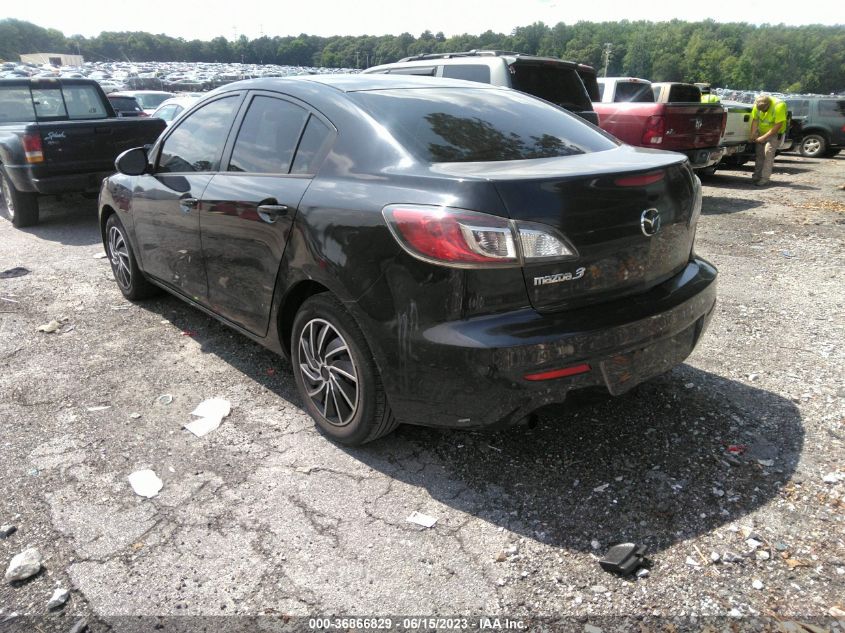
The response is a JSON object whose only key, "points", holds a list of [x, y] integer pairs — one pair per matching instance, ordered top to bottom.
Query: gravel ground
{"points": [[729, 470]]}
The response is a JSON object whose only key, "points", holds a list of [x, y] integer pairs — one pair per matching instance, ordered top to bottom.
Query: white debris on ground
{"points": [[211, 413], [145, 483], [421, 519]]}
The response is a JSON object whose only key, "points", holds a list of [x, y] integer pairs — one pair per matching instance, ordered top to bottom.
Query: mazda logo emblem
{"points": [[650, 222]]}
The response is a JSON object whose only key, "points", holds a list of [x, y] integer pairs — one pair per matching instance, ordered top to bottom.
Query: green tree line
{"points": [[739, 55]]}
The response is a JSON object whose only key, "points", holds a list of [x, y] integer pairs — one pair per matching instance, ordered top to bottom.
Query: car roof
{"points": [[36, 81], [356, 83]]}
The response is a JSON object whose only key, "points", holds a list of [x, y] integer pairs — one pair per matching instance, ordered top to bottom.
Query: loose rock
{"points": [[7, 530], [731, 557], [24, 565], [642, 572], [757, 584], [59, 598], [79, 627]]}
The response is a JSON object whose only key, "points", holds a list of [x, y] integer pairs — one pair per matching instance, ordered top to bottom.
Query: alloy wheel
{"points": [[812, 146], [119, 255], [328, 371]]}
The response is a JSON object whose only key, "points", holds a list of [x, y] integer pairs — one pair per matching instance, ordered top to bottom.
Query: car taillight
{"points": [[655, 126], [32, 147], [456, 237]]}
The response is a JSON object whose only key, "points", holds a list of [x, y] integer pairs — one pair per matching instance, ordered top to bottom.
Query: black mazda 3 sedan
{"points": [[425, 251]]}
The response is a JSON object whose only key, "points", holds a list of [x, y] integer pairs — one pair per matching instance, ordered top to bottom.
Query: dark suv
{"points": [[563, 83], [822, 123]]}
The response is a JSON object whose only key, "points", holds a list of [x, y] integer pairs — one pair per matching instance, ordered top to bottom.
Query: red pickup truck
{"points": [[628, 111]]}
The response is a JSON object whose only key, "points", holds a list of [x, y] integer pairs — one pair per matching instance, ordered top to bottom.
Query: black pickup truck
{"points": [[59, 136]]}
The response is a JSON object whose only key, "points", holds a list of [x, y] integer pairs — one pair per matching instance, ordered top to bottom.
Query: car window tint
{"points": [[424, 71], [468, 72], [553, 82], [633, 91], [601, 92], [682, 93], [16, 104], [125, 104], [830, 107], [799, 108], [464, 125], [268, 136], [197, 141], [312, 147]]}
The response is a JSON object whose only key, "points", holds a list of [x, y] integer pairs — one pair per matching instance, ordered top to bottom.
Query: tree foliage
{"points": [[768, 57]]}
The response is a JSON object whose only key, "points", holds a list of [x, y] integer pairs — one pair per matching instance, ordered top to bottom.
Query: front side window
{"points": [[799, 108], [167, 113], [467, 125], [268, 136], [197, 142]]}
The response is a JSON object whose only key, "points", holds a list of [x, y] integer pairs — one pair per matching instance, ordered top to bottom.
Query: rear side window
{"points": [[422, 71], [468, 72], [553, 82], [631, 91], [48, 103], [16, 104], [830, 107], [467, 125], [268, 136], [198, 140], [313, 146]]}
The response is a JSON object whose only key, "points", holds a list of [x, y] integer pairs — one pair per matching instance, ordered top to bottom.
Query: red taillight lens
{"points": [[655, 126], [32, 148], [640, 180], [452, 236], [559, 373]]}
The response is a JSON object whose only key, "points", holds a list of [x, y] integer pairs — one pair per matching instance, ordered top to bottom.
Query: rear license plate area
{"points": [[625, 371]]}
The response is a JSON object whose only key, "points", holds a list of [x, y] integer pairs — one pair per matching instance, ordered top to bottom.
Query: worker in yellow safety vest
{"points": [[706, 95], [768, 126]]}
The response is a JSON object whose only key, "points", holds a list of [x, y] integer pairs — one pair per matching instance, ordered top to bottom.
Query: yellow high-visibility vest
{"points": [[711, 98], [775, 114]]}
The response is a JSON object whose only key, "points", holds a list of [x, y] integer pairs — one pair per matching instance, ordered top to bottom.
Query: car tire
{"points": [[813, 146], [707, 172], [21, 208], [131, 281], [336, 374]]}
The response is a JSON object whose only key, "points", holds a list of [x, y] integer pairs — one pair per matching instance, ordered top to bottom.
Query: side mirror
{"points": [[132, 162]]}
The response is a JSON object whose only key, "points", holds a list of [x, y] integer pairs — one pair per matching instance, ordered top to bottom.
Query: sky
{"points": [[209, 18]]}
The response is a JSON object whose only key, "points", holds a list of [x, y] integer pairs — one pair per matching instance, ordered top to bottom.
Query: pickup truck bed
{"points": [[694, 129], [59, 136]]}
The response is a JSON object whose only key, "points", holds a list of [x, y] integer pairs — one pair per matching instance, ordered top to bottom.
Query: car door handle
{"points": [[186, 204], [270, 212]]}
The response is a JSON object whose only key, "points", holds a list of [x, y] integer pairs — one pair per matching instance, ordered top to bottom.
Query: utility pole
{"points": [[608, 49], [357, 65]]}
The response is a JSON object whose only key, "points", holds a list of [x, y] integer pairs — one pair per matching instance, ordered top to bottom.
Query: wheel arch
{"points": [[290, 304]]}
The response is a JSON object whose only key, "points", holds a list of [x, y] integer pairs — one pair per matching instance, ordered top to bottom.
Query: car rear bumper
{"points": [[703, 158], [28, 179], [471, 373]]}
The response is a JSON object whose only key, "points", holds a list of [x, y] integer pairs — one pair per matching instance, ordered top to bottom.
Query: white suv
{"points": [[554, 80]]}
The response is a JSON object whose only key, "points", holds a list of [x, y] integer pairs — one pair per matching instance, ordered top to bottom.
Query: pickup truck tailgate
{"points": [[693, 126], [83, 146]]}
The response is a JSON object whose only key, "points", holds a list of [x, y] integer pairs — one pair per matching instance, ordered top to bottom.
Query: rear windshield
{"points": [[553, 82], [631, 91], [684, 93], [152, 101], [23, 103], [124, 104], [461, 125]]}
